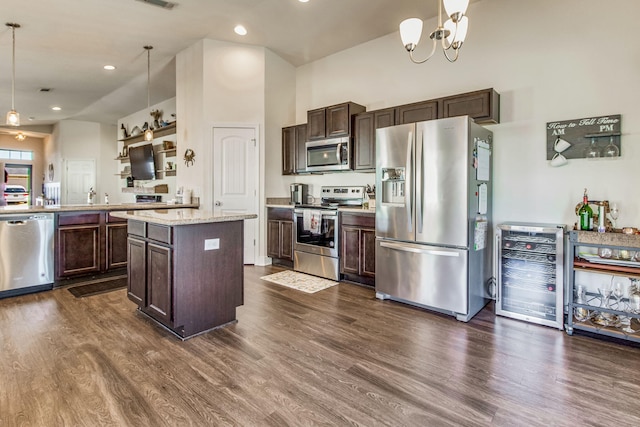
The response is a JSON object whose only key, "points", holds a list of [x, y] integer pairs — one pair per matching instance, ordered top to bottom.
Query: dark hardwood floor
{"points": [[337, 357]]}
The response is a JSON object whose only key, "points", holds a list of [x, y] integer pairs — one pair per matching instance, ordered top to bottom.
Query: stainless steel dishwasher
{"points": [[26, 253]]}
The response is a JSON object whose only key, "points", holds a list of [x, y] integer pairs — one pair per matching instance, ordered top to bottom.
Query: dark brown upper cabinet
{"points": [[482, 105], [417, 112], [332, 122], [365, 136], [294, 153]]}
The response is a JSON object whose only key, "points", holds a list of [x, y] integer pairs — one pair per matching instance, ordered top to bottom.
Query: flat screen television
{"points": [[143, 165]]}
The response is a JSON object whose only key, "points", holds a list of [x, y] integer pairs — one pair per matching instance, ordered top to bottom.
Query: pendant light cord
{"points": [[148, 48], [13, 68]]}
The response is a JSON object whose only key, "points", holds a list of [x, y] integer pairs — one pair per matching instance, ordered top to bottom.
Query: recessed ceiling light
{"points": [[303, 1], [240, 30], [109, 67], [56, 108]]}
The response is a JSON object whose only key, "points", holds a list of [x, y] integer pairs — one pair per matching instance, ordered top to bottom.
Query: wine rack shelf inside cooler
{"points": [[529, 258]]}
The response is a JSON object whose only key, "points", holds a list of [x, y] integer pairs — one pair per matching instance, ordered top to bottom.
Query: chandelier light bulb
{"points": [[456, 8], [410, 32]]}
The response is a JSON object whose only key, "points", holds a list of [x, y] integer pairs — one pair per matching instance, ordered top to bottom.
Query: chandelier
{"points": [[451, 34], [13, 117], [20, 136]]}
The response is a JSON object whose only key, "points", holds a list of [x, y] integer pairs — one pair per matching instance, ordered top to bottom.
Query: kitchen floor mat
{"points": [[299, 281], [96, 288]]}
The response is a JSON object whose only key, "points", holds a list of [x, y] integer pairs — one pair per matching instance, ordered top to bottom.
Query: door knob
{"points": [[218, 203]]}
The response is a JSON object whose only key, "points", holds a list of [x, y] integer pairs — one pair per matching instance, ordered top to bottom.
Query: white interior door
{"points": [[80, 176], [235, 186]]}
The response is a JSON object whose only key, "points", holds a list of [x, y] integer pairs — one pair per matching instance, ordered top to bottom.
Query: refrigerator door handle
{"points": [[408, 178], [419, 180], [403, 248], [496, 266]]}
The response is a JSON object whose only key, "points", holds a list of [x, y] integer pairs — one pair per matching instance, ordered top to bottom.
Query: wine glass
{"points": [[611, 150], [592, 151], [614, 212], [618, 292]]}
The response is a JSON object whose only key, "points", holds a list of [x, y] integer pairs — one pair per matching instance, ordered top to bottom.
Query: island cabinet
{"points": [[332, 122], [365, 136], [294, 153], [280, 236], [89, 242], [357, 249], [187, 277]]}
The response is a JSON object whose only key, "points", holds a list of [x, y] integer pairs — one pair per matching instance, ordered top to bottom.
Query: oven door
{"points": [[328, 155], [324, 243]]}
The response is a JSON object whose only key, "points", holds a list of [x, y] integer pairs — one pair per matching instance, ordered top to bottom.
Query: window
{"points": [[16, 155]]}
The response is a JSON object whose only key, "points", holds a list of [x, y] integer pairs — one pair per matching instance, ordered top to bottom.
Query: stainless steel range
{"points": [[316, 248]]}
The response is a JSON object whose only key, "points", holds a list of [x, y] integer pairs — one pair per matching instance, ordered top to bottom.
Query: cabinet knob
{"points": [[218, 203]]}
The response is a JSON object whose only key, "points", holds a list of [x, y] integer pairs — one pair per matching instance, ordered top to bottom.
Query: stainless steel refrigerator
{"points": [[433, 215]]}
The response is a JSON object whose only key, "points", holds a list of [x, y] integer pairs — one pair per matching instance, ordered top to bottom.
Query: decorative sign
{"points": [[573, 138]]}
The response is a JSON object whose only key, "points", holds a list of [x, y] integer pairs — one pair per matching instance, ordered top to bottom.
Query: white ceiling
{"points": [[63, 45]]}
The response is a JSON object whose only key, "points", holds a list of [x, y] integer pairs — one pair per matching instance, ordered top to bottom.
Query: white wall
{"points": [[549, 60]]}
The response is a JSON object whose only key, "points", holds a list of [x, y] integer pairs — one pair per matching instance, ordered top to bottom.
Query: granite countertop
{"points": [[18, 209], [370, 211], [180, 216]]}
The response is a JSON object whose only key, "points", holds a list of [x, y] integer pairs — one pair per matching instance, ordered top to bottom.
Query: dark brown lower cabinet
{"points": [[280, 236], [89, 243], [357, 248], [181, 284]]}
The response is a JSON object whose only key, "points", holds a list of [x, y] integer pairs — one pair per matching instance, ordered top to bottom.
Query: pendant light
{"points": [[13, 117], [148, 134]]}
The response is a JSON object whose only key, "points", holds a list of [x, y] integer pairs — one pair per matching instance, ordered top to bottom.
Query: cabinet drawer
{"points": [[282, 214], [79, 219], [112, 219], [366, 221], [137, 228], [160, 233]]}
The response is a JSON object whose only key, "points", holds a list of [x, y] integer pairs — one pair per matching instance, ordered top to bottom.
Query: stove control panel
{"points": [[351, 194]]}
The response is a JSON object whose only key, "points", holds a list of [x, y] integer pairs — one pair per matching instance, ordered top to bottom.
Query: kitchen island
{"points": [[185, 267]]}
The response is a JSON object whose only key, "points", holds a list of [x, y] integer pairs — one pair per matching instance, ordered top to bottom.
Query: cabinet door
{"points": [[483, 106], [418, 112], [384, 118], [316, 120], [338, 121], [365, 142], [301, 148], [288, 150], [273, 238], [286, 240], [116, 249], [78, 250], [368, 252], [350, 260], [136, 272], [159, 283]]}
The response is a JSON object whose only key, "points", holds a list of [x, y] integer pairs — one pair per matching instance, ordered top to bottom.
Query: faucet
{"points": [[90, 195]]}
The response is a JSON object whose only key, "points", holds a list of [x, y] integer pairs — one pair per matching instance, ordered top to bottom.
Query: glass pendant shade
{"points": [[453, 7], [410, 32], [457, 35], [13, 118], [148, 135]]}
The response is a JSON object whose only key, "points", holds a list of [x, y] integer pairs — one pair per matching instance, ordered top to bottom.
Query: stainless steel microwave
{"points": [[329, 155]]}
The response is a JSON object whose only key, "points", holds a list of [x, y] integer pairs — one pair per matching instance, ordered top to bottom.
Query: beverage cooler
{"points": [[529, 267]]}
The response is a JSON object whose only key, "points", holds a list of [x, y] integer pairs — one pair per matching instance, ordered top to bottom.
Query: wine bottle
{"points": [[585, 213]]}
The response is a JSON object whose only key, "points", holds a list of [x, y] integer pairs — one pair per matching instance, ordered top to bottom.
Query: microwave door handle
{"points": [[339, 153], [407, 180]]}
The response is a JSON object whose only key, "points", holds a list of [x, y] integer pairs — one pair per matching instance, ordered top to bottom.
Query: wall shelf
{"points": [[169, 129], [169, 153], [157, 189]]}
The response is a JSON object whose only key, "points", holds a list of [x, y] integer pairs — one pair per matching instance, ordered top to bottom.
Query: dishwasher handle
{"points": [[17, 222]]}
